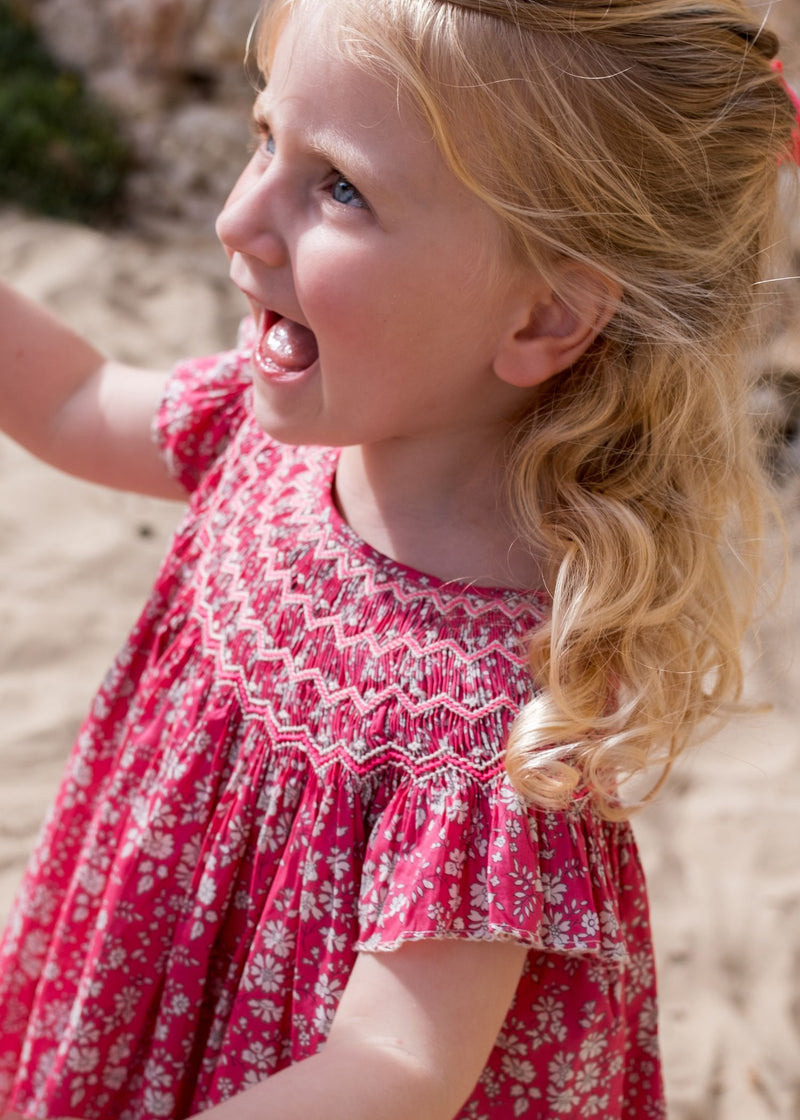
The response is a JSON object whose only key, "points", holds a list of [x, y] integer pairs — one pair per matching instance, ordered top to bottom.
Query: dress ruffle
{"points": [[454, 858]]}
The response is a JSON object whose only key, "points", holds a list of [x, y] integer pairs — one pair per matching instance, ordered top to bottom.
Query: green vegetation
{"points": [[61, 152]]}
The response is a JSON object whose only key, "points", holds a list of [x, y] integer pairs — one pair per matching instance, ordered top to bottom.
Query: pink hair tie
{"points": [[777, 66]]}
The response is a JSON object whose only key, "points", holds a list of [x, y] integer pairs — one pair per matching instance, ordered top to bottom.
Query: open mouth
{"points": [[284, 349]]}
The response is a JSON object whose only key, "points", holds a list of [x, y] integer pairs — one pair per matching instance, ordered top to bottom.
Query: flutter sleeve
{"points": [[204, 402], [458, 858]]}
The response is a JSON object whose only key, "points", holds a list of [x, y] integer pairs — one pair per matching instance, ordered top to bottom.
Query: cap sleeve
{"points": [[202, 406], [456, 858]]}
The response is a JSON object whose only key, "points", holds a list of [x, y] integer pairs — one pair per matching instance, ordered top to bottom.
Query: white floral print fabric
{"points": [[297, 756]]}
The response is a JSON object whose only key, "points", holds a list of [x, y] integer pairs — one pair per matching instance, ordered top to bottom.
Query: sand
{"points": [[721, 848]]}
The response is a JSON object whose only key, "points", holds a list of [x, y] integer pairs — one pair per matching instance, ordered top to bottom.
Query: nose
{"points": [[247, 223]]}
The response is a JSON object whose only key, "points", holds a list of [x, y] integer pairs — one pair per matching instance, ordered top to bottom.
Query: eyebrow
{"points": [[346, 158]]}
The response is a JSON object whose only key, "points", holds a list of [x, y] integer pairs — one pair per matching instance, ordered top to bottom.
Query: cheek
{"points": [[339, 287]]}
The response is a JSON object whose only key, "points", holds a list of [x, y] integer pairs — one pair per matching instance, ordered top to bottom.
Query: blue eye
{"points": [[263, 140], [345, 193]]}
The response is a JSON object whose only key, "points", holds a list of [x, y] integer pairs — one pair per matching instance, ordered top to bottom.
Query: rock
{"points": [[77, 33], [173, 71], [193, 161]]}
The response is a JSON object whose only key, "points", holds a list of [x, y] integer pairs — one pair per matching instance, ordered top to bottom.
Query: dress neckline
{"points": [[405, 574]]}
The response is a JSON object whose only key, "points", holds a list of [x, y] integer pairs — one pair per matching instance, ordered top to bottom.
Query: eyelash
{"points": [[263, 137]]}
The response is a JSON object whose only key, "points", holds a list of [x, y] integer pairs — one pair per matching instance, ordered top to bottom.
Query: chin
{"points": [[290, 430]]}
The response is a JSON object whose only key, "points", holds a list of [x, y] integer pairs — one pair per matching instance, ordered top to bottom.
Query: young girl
{"points": [[472, 537]]}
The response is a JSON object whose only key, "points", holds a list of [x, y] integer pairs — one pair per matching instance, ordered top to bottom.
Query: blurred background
{"points": [[123, 125]]}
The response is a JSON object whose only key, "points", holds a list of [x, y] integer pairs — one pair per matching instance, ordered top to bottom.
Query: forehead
{"points": [[317, 89]]}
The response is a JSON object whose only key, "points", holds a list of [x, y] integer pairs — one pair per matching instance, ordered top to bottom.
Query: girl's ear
{"points": [[550, 331]]}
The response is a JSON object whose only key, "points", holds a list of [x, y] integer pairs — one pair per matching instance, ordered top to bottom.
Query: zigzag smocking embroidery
{"points": [[330, 647], [228, 649], [419, 758], [417, 762]]}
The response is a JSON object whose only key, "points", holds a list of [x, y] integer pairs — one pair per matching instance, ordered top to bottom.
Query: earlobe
{"points": [[552, 331]]}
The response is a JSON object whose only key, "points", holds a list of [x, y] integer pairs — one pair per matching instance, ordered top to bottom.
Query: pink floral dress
{"points": [[298, 756]]}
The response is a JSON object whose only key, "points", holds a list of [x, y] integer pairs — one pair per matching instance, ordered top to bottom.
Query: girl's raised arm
{"points": [[65, 402]]}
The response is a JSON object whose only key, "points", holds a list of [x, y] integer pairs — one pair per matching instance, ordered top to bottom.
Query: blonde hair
{"points": [[634, 143]]}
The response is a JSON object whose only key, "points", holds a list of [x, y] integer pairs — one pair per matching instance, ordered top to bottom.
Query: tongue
{"points": [[289, 346]]}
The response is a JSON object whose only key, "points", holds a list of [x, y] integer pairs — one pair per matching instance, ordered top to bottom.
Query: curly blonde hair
{"points": [[638, 142]]}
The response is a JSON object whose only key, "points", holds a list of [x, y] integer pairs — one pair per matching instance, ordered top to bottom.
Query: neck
{"points": [[436, 507]]}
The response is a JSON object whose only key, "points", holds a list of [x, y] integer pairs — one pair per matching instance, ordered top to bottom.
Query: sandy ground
{"points": [[721, 847]]}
